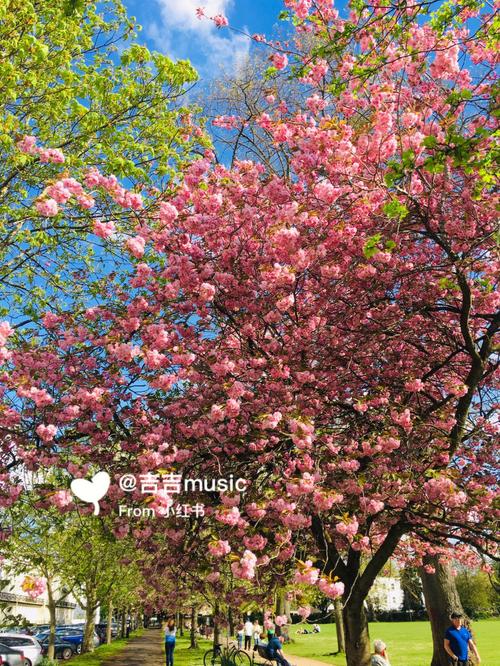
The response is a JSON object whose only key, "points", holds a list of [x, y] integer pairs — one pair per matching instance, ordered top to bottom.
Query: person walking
{"points": [[257, 630], [170, 633], [240, 633], [248, 633], [457, 641], [380, 657]]}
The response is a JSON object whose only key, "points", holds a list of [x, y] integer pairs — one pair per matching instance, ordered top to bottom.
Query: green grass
{"points": [[408, 643], [103, 652]]}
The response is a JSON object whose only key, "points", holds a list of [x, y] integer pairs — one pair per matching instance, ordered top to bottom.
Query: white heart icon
{"points": [[92, 491]]}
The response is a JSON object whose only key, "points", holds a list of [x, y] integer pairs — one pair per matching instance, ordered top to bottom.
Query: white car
{"points": [[26, 644], [11, 657]]}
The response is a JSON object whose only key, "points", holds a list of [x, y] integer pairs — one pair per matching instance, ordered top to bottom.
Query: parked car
{"points": [[102, 627], [72, 636], [26, 644], [62, 649], [11, 657]]}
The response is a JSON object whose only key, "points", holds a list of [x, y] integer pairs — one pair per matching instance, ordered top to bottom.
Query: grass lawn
{"points": [[408, 643], [103, 652]]}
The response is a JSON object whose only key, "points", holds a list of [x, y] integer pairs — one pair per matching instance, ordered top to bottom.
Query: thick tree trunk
{"points": [[441, 599], [280, 602], [110, 617], [53, 620], [230, 620], [123, 624], [216, 624], [339, 625], [88, 632], [357, 638], [193, 645]]}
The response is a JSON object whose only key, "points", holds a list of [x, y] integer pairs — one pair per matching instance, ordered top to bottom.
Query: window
{"points": [[14, 640]]}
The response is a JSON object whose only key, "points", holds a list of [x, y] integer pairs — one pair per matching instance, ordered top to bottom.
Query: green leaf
{"points": [[430, 141], [395, 209], [370, 247]]}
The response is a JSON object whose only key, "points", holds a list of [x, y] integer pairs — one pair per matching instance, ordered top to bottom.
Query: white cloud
{"points": [[181, 34]]}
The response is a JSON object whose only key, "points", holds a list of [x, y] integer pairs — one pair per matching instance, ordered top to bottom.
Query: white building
{"points": [[386, 594], [15, 601]]}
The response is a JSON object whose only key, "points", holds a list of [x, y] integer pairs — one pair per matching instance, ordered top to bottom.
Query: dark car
{"points": [[101, 629], [72, 636], [74, 640], [62, 649]]}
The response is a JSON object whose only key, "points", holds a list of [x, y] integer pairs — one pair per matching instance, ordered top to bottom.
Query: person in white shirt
{"points": [[257, 630], [248, 633], [380, 658]]}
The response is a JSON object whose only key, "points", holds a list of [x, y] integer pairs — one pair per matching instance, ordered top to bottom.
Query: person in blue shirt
{"points": [[170, 633], [457, 641], [275, 649]]}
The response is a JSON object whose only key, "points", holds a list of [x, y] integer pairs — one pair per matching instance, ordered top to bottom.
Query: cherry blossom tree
{"points": [[328, 336]]}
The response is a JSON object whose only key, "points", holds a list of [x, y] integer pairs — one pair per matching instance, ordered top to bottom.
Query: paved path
{"points": [[145, 650], [304, 661]]}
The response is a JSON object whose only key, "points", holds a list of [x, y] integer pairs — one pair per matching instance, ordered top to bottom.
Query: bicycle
{"points": [[226, 656]]}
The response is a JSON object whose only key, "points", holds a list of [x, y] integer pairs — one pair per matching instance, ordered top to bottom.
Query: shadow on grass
{"points": [[105, 652]]}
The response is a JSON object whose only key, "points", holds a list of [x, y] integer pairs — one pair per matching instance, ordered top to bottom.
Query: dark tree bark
{"points": [[357, 582], [441, 599], [280, 602], [230, 620], [180, 624], [216, 624], [123, 627], [357, 638], [193, 644]]}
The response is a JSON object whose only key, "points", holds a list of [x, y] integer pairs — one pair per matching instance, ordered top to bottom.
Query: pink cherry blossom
{"points": [[220, 20], [280, 60], [47, 207], [136, 246], [46, 432], [219, 548], [331, 589]]}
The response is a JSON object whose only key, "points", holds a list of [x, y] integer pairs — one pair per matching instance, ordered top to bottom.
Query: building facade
{"points": [[386, 594], [15, 602]]}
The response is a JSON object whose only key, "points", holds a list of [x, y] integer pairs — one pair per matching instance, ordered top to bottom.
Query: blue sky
{"points": [[171, 26]]}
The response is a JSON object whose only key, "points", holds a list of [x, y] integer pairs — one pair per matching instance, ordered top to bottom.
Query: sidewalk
{"points": [[144, 650], [147, 650], [304, 661]]}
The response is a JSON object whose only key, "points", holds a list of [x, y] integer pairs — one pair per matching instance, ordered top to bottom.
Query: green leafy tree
{"points": [[72, 76], [39, 546], [105, 569], [412, 589], [477, 595]]}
